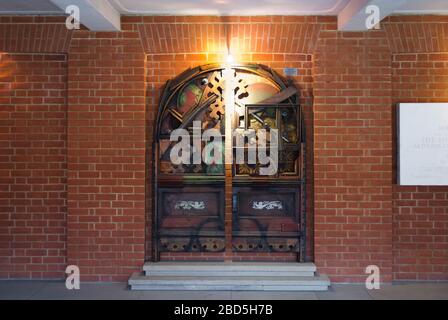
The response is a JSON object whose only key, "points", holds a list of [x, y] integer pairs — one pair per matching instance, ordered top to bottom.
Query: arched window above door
{"points": [[198, 95]]}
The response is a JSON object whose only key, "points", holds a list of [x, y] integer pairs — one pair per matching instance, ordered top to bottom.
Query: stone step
{"points": [[231, 269], [139, 281]]}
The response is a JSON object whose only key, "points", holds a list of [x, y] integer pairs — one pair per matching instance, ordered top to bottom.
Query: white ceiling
{"points": [[28, 7], [222, 7], [231, 7], [424, 7]]}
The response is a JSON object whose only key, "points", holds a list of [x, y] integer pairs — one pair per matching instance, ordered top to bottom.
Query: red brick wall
{"points": [[37, 34], [268, 34], [417, 34], [419, 74], [349, 82], [106, 154], [352, 155], [33, 171], [420, 213]]}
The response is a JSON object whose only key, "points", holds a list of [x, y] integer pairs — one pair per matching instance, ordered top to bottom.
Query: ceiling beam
{"points": [[97, 15], [353, 17]]}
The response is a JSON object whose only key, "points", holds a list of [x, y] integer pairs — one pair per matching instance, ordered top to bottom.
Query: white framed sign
{"points": [[423, 144]]}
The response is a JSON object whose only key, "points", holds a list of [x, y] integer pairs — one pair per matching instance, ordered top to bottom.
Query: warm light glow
{"points": [[230, 59], [7, 70], [229, 99]]}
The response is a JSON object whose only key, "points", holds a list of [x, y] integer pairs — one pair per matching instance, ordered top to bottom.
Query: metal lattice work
{"points": [[268, 212]]}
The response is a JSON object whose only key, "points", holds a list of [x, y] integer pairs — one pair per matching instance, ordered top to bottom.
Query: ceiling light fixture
{"points": [[229, 59]]}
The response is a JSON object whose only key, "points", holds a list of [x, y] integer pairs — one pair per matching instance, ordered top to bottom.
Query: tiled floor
{"points": [[118, 291]]}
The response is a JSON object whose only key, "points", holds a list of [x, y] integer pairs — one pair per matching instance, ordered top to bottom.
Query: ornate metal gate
{"points": [[268, 212]]}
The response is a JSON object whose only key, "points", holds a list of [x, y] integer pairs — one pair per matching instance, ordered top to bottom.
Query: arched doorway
{"points": [[204, 207]]}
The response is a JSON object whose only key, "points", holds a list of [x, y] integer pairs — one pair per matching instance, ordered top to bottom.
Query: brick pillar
{"points": [[106, 154], [352, 155], [33, 165], [228, 208]]}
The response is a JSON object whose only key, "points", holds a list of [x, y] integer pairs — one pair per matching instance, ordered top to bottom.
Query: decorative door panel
{"points": [[259, 202], [190, 219], [267, 219]]}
